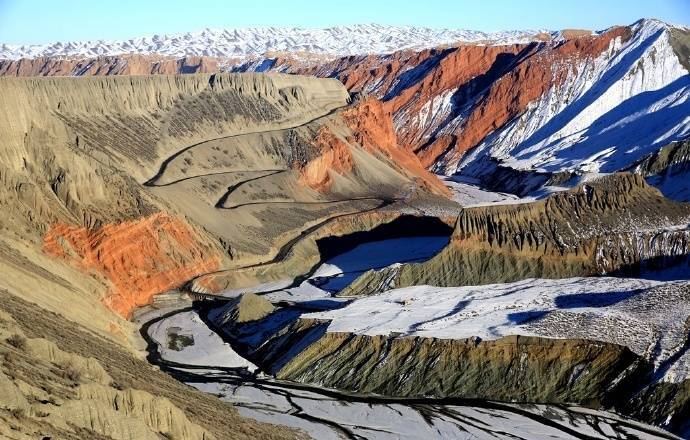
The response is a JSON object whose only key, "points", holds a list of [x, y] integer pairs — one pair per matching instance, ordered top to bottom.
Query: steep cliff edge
{"points": [[615, 223]]}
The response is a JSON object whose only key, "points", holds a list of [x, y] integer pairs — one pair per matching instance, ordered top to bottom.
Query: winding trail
{"points": [[215, 173], [153, 181], [232, 188], [296, 202], [287, 247]]}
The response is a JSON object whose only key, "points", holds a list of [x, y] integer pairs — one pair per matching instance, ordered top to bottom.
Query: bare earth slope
{"points": [[116, 189]]}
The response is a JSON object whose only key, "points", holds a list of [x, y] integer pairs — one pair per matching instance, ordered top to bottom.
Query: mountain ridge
{"points": [[242, 42]]}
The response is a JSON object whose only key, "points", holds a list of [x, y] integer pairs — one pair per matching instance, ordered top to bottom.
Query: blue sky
{"points": [[46, 21]]}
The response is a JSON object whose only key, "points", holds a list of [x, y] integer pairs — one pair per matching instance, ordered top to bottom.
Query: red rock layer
{"points": [[509, 95], [371, 123], [334, 156], [139, 258]]}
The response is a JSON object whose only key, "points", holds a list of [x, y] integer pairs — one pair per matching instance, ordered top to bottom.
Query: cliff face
{"points": [[370, 126], [614, 223], [139, 258], [514, 368]]}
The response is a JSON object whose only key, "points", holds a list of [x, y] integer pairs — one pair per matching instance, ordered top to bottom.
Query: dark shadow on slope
{"points": [[614, 74], [410, 77], [471, 92], [643, 130], [673, 182], [403, 226], [663, 268], [594, 299], [457, 308], [518, 318]]}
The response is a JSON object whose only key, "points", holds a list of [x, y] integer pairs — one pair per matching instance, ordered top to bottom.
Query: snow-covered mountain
{"points": [[340, 40], [585, 103], [609, 111]]}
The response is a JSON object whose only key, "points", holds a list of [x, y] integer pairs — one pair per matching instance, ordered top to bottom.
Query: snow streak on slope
{"points": [[341, 40], [608, 114], [614, 310]]}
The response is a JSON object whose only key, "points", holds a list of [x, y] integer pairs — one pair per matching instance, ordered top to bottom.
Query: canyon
{"points": [[410, 232]]}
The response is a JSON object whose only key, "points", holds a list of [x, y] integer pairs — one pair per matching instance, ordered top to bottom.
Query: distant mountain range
{"points": [[340, 40]]}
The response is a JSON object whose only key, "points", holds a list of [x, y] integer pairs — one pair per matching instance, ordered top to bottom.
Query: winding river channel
{"points": [[182, 341]]}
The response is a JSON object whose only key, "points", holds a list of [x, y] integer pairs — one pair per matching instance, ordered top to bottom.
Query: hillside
{"points": [[117, 189]]}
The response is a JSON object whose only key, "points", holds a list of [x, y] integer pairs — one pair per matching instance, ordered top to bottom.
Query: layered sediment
{"points": [[615, 223]]}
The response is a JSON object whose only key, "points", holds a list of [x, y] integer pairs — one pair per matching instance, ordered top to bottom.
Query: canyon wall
{"points": [[612, 224]]}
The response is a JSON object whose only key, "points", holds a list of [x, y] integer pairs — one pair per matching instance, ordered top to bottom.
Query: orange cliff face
{"points": [[510, 95], [371, 125], [334, 156], [139, 258]]}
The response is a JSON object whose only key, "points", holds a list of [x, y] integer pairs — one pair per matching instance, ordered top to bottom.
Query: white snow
{"points": [[336, 41], [609, 113], [470, 194], [339, 271], [608, 309], [208, 349], [398, 421]]}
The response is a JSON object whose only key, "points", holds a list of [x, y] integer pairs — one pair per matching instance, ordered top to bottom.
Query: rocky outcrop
{"points": [[369, 125], [332, 157], [669, 160], [667, 169], [612, 224], [139, 258], [245, 308], [514, 368], [664, 404]]}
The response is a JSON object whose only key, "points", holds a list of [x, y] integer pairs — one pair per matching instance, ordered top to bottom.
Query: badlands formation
{"points": [[486, 237]]}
